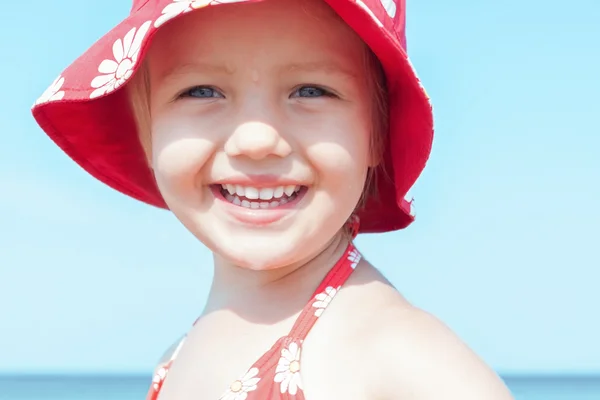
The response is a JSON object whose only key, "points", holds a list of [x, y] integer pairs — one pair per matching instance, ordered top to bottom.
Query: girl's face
{"points": [[260, 125]]}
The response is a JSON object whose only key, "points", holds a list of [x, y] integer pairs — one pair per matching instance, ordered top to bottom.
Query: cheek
{"points": [[179, 153], [341, 158]]}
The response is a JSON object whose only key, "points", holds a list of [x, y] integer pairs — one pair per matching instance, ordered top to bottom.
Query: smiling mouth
{"points": [[260, 198]]}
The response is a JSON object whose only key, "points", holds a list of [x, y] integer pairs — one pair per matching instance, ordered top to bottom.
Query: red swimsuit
{"points": [[276, 375]]}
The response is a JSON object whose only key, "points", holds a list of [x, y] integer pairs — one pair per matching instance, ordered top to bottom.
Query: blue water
{"points": [[125, 387]]}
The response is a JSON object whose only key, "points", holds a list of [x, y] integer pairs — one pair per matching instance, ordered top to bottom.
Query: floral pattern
{"points": [[225, 1], [178, 7], [390, 7], [366, 8], [117, 71], [53, 92], [354, 257], [323, 299], [287, 373], [278, 376], [158, 377], [239, 389]]}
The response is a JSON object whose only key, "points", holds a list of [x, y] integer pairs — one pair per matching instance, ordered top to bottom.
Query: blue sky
{"points": [[504, 248]]}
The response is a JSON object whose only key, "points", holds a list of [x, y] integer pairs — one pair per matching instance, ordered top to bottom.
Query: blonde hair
{"points": [[138, 89]]}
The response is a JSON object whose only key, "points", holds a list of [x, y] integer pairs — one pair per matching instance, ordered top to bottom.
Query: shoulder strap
{"points": [[325, 293], [162, 369]]}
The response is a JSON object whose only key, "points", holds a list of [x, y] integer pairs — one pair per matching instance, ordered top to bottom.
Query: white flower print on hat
{"points": [[178, 7], [365, 7], [390, 7], [117, 71], [53, 92]]}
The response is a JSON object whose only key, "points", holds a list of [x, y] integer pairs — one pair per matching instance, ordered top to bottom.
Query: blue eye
{"points": [[311, 91], [202, 92]]}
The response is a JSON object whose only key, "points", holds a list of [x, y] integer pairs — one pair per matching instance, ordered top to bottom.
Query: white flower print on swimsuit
{"points": [[117, 71], [53, 92], [354, 257], [323, 299], [288, 369], [276, 374], [158, 377], [239, 389]]}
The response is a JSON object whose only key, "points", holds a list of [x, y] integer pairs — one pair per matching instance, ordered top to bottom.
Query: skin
{"points": [[254, 117], [257, 122]]}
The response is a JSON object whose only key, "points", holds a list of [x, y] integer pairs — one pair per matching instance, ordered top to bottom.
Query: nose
{"points": [[257, 140]]}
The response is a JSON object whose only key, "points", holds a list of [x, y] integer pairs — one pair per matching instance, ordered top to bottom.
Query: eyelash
{"points": [[187, 92], [324, 92]]}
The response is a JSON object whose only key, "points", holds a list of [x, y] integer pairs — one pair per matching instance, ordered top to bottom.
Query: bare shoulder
{"points": [[170, 353], [419, 358]]}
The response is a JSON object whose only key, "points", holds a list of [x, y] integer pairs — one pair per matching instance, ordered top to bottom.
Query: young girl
{"points": [[275, 131]]}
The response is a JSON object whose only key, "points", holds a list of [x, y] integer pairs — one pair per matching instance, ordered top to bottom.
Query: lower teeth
{"points": [[258, 204]]}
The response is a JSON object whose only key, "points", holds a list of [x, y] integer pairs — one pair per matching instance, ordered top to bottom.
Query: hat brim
{"points": [[87, 114]]}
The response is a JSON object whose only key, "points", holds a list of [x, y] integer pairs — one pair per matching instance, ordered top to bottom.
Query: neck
{"points": [[276, 292]]}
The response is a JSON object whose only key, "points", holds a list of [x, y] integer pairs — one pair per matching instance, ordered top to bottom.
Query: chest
{"points": [[238, 359], [318, 368]]}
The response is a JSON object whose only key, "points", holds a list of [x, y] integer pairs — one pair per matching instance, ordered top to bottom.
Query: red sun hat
{"points": [[87, 114]]}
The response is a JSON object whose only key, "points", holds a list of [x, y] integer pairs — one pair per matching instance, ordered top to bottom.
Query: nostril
{"points": [[257, 140]]}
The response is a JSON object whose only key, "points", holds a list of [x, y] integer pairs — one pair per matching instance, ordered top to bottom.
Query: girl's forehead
{"points": [[288, 29]]}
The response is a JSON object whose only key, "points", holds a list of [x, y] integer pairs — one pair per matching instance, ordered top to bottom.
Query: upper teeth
{"points": [[253, 193]]}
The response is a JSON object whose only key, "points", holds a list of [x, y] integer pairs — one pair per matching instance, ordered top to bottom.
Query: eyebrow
{"points": [[313, 66], [320, 66], [196, 67]]}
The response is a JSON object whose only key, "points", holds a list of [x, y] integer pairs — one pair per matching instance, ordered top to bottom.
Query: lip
{"points": [[259, 181], [257, 216]]}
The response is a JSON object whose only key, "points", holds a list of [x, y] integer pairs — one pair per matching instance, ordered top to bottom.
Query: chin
{"points": [[261, 248], [259, 253]]}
